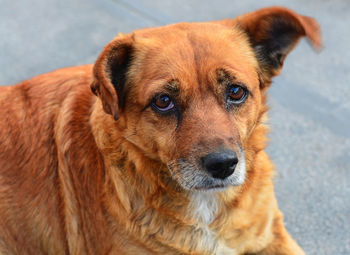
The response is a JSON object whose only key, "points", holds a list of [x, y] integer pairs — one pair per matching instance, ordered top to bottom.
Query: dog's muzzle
{"points": [[215, 171]]}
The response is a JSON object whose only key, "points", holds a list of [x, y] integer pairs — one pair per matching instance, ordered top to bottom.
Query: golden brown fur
{"points": [[81, 174]]}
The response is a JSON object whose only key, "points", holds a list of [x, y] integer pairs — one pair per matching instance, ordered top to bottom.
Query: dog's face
{"points": [[190, 95], [192, 100]]}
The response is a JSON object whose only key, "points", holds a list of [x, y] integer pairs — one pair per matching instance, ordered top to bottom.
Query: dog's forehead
{"points": [[192, 41], [191, 53]]}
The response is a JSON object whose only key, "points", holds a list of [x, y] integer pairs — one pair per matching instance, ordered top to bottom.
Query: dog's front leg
{"points": [[282, 242]]}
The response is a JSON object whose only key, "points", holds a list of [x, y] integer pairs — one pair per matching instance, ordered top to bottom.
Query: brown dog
{"points": [[167, 159]]}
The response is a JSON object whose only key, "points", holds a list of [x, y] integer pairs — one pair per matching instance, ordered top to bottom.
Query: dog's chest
{"points": [[204, 207], [189, 236], [209, 243]]}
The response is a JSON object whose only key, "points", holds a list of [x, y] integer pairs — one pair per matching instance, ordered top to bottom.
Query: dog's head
{"points": [[191, 95]]}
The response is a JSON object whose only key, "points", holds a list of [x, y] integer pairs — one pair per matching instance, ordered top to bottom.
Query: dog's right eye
{"points": [[163, 103]]}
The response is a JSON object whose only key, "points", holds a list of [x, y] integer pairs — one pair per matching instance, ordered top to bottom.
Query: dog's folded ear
{"points": [[274, 32], [110, 74]]}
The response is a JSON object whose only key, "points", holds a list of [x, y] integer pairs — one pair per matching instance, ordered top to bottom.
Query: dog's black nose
{"points": [[220, 164]]}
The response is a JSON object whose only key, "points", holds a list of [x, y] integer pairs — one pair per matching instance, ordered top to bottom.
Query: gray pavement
{"points": [[310, 101]]}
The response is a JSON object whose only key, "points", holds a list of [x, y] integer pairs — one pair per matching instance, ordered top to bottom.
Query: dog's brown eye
{"points": [[236, 94], [163, 103]]}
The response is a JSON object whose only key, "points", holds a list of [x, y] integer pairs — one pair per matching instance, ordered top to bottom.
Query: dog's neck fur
{"points": [[154, 204]]}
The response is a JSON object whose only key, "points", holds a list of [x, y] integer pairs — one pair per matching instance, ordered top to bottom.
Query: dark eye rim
{"points": [[241, 100], [159, 110]]}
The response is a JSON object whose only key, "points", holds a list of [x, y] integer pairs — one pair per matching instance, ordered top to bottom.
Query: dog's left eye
{"points": [[236, 94], [163, 103]]}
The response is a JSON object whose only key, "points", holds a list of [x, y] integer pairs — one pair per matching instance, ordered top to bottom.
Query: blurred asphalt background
{"points": [[310, 101]]}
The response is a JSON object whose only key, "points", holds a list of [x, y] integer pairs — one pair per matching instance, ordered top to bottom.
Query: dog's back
{"points": [[36, 120]]}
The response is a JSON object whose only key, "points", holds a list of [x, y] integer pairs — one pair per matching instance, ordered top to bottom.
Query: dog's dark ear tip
{"points": [[95, 87], [94, 90], [116, 116]]}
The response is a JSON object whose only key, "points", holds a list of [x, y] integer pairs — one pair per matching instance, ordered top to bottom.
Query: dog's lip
{"points": [[211, 187]]}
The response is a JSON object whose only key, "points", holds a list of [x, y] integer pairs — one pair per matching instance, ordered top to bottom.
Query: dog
{"points": [[157, 148]]}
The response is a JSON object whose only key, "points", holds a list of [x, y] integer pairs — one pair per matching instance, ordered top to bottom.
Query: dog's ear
{"points": [[274, 32], [110, 74]]}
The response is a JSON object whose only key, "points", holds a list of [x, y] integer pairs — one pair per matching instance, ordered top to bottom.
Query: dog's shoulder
{"points": [[32, 109]]}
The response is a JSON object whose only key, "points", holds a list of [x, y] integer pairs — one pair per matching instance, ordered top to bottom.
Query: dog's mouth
{"points": [[191, 175], [218, 187]]}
